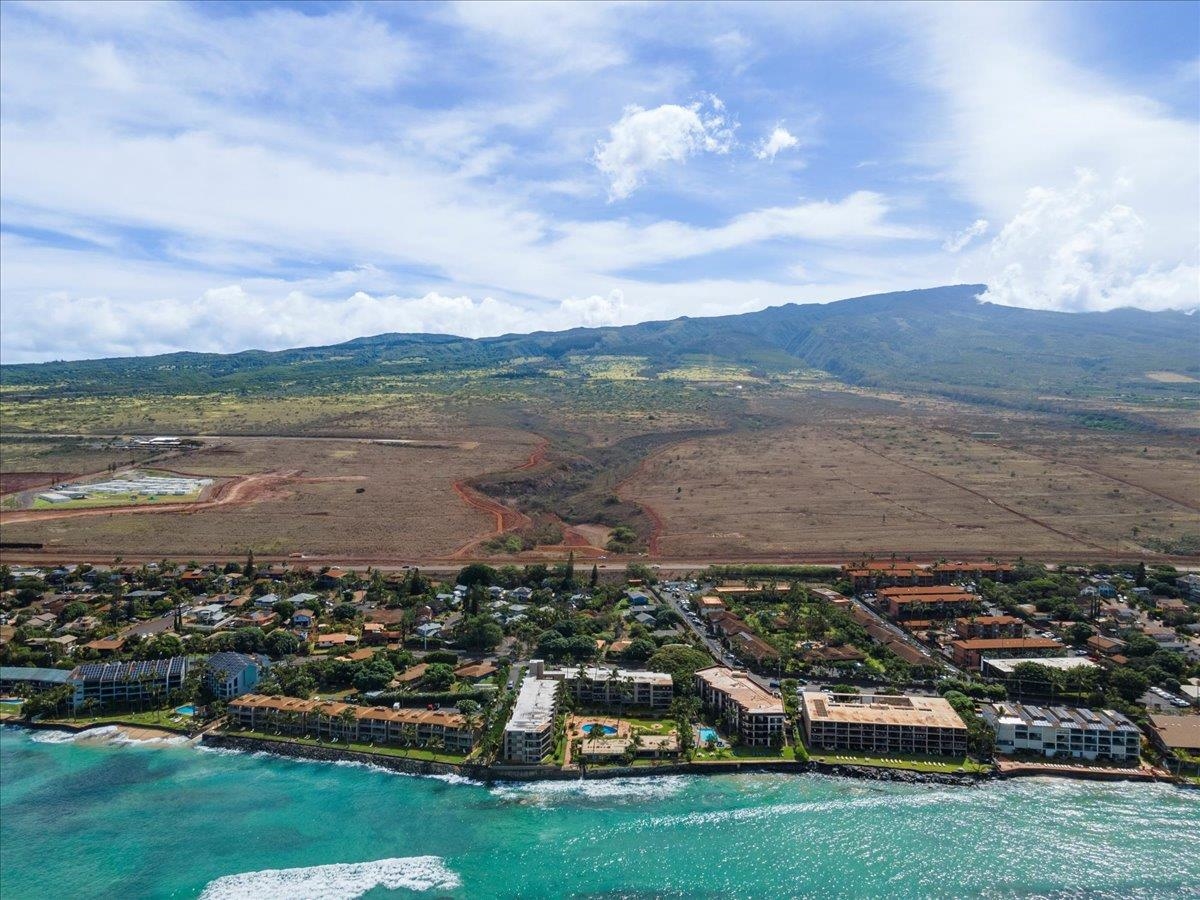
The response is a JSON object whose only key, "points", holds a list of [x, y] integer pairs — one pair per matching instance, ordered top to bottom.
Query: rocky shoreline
{"points": [[485, 773], [492, 773]]}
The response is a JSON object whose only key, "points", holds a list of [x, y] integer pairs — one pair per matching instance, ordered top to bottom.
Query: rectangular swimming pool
{"points": [[708, 734]]}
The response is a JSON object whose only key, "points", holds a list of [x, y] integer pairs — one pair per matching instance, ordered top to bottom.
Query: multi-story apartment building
{"points": [[928, 602], [989, 627], [970, 653], [127, 683], [602, 686], [747, 710], [880, 723], [361, 724], [1061, 731], [529, 734]]}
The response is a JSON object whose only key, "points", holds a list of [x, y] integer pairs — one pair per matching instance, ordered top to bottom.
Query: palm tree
{"points": [[346, 717]]}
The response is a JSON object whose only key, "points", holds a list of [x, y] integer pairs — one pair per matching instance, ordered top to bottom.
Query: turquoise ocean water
{"points": [[95, 819]]}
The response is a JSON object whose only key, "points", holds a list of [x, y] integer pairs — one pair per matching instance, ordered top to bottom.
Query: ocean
{"points": [[106, 818]]}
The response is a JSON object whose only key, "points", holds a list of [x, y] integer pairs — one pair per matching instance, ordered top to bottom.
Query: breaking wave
{"points": [[71, 737], [550, 792], [338, 881]]}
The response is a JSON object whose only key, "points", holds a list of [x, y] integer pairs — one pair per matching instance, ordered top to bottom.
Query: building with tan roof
{"points": [[747, 710], [881, 723], [361, 724]]}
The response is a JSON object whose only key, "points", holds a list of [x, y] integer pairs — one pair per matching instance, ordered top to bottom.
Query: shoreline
{"points": [[488, 774]]}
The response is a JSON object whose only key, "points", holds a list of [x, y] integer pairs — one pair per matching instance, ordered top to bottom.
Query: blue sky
{"points": [[221, 176]]}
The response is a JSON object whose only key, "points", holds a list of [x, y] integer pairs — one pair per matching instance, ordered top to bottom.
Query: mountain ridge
{"points": [[935, 339]]}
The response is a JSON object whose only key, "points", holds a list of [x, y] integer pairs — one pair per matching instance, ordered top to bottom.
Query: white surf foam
{"points": [[69, 737], [548, 792], [340, 881]]}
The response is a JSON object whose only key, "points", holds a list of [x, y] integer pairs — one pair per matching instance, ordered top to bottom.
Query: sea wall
{"points": [[294, 750], [546, 773]]}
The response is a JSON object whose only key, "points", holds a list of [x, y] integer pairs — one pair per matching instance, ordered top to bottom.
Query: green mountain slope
{"points": [[940, 340]]}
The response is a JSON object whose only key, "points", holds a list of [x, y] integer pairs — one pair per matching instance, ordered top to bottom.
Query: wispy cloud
{"points": [[468, 167]]}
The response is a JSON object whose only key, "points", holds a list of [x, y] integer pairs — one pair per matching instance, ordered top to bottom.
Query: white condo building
{"points": [[1060, 731]]}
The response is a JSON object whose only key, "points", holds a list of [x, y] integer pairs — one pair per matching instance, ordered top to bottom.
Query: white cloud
{"points": [[1019, 120], [645, 139], [776, 142], [956, 242], [1083, 248]]}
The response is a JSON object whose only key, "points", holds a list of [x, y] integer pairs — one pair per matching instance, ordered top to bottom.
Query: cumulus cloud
{"points": [[645, 139], [776, 142], [956, 242], [1083, 248], [271, 317]]}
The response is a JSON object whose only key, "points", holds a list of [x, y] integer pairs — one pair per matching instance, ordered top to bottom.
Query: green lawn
{"points": [[10, 709], [155, 718], [402, 752], [733, 753], [900, 761]]}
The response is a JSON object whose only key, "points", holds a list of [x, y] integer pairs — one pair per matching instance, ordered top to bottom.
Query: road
{"points": [[903, 636], [710, 643]]}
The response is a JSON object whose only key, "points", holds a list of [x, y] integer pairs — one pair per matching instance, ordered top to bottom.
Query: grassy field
{"points": [[154, 718]]}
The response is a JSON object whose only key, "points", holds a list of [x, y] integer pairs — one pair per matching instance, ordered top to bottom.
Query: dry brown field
{"points": [[897, 484], [302, 495]]}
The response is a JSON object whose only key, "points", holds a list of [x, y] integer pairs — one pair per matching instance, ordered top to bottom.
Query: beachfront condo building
{"points": [[120, 684], [754, 714], [329, 720], [881, 724], [1063, 731], [529, 734]]}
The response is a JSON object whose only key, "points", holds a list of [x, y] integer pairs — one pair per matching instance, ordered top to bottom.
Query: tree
{"points": [[248, 570], [477, 574], [595, 579], [568, 581], [285, 609], [345, 612], [479, 633], [1077, 633], [279, 644], [165, 645], [639, 649], [681, 662], [375, 675], [438, 677], [1129, 683]]}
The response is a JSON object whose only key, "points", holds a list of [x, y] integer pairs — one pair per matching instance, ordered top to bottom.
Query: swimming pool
{"points": [[188, 710], [606, 730], [708, 734]]}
